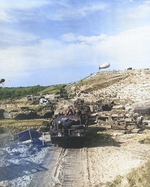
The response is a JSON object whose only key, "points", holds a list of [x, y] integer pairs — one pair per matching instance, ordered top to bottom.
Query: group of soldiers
{"points": [[80, 109]]}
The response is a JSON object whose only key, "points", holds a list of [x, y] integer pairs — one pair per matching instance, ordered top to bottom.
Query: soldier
{"points": [[71, 110], [86, 120], [139, 121]]}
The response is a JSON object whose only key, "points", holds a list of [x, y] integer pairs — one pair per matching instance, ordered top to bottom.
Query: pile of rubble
{"points": [[134, 88], [124, 104], [108, 114], [121, 119]]}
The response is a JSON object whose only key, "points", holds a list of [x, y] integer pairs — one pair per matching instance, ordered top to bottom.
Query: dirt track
{"points": [[89, 167], [69, 168]]}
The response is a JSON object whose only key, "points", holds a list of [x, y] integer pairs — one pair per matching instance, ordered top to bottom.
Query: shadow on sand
{"points": [[95, 137], [98, 137]]}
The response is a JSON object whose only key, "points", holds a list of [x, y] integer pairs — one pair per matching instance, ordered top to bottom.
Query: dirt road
{"points": [[89, 167], [69, 169]]}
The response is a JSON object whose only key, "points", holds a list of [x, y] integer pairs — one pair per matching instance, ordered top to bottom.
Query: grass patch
{"points": [[100, 81], [54, 89], [39, 108], [1, 113], [20, 125], [145, 137], [139, 177], [116, 182]]}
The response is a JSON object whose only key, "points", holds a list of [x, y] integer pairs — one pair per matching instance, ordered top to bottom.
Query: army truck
{"points": [[67, 128]]}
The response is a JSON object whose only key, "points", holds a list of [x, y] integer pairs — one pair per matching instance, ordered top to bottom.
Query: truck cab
{"points": [[66, 128]]}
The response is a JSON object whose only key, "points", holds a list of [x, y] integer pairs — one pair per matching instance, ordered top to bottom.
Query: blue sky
{"points": [[47, 42]]}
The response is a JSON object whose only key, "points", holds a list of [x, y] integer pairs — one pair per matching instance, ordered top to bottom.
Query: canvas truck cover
{"points": [[142, 110]]}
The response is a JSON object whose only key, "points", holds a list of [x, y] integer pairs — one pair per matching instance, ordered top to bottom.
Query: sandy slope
{"points": [[105, 163]]}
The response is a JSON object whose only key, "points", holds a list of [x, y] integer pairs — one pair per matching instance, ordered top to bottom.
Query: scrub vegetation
{"points": [[99, 81], [54, 89], [14, 92], [6, 93], [15, 126], [139, 177]]}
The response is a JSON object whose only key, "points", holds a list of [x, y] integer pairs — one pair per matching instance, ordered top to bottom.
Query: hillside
{"points": [[128, 85], [109, 153]]}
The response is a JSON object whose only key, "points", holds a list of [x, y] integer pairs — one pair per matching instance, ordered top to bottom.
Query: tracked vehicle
{"points": [[67, 128]]}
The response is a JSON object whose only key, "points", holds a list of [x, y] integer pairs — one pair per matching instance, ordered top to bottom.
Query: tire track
{"points": [[65, 168], [71, 169]]}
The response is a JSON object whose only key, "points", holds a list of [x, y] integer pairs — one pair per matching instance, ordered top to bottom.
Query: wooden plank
{"points": [[135, 130]]}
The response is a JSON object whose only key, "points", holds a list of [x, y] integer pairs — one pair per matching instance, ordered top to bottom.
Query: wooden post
{"points": [[30, 134], [43, 139]]}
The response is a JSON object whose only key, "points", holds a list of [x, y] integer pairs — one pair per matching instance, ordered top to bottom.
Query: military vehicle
{"points": [[67, 128]]}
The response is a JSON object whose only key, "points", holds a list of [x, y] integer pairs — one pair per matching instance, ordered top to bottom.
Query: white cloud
{"points": [[23, 4], [90, 9], [9, 10], [12, 11], [142, 11], [68, 12], [4, 16], [134, 16], [10, 37], [70, 37], [129, 48]]}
